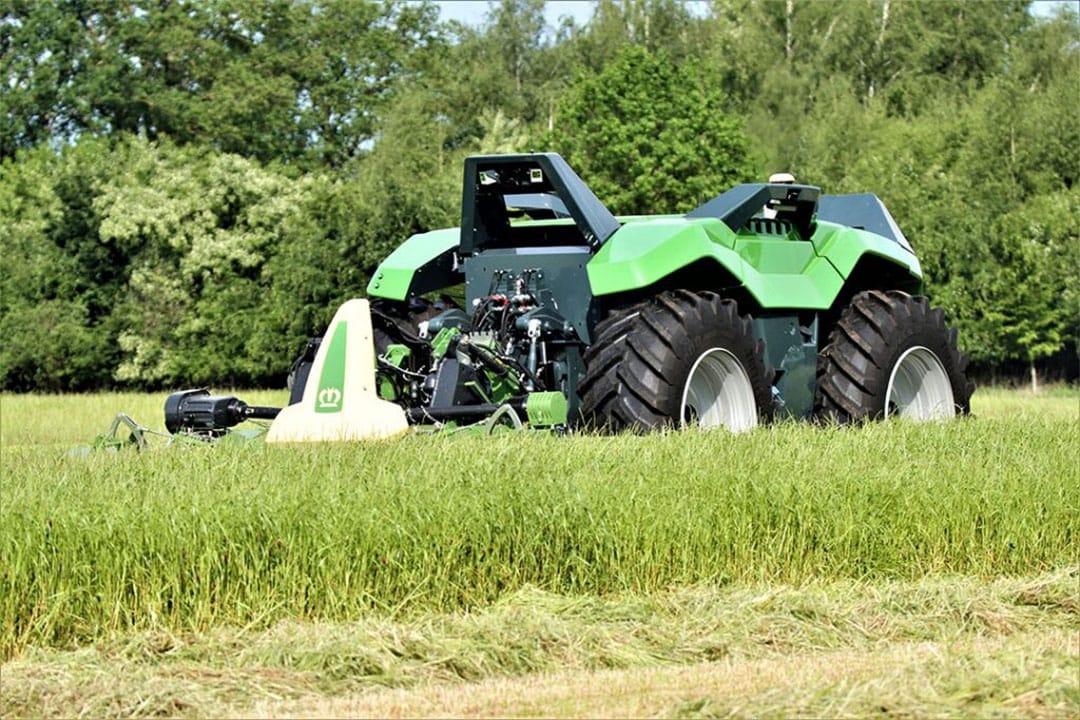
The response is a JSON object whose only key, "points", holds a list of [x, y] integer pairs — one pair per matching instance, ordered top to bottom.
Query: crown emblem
{"points": [[329, 398]]}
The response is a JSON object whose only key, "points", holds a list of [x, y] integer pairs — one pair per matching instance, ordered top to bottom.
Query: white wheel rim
{"points": [[919, 387], [718, 393]]}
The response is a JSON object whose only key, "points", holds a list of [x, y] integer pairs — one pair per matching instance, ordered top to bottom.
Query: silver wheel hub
{"points": [[919, 387], [718, 393]]}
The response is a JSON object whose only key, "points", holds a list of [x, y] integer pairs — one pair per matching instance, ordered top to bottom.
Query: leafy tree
{"points": [[656, 25], [40, 47], [510, 66], [492, 68], [273, 79], [499, 134], [649, 137], [408, 183], [204, 226], [60, 283], [1019, 297], [46, 339], [51, 347]]}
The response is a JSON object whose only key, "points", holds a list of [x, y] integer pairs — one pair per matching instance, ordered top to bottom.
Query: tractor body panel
{"points": [[845, 246], [769, 257], [424, 263], [775, 266]]}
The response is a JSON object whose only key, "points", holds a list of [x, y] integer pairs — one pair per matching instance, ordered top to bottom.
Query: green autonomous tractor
{"points": [[544, 309]]}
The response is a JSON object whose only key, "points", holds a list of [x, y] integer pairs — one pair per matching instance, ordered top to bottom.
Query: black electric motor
{"points": [[199, 412]]}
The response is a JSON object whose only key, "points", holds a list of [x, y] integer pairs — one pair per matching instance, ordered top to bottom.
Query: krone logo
{"points": [[329, 398]]}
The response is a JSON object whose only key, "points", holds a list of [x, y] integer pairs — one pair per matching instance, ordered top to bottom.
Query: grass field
{"points": [[292, 581]]}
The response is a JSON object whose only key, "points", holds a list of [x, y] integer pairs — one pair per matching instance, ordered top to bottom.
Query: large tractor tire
{"points": [[891, 355], [679, 359]]}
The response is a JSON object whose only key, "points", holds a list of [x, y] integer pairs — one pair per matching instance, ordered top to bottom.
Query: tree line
{"points": [[188, 189]]}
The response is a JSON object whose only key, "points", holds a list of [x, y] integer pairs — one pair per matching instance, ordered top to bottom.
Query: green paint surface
{"points": [[780, 271], [395, 275], [331, 394]]}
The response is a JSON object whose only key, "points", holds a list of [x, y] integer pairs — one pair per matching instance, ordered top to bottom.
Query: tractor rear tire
{"points": [[891, 354], [679, 359]]}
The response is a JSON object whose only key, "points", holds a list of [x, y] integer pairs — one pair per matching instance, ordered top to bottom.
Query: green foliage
{"points": [[665, 26], [509, 67], [274, 80], [649, 138], [204, 225], [182, 265], [57, 267], [1019, 297], [52, 346]]}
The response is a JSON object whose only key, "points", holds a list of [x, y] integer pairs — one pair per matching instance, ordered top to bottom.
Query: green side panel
{"points": [[844, 246], [642, 252], [403, 270], [778, 270], [786, 273], [441, 342], [395, 354], [332, 380], [502, 388]]}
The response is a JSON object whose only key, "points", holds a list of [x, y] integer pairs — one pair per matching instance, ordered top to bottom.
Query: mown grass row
{"points": [[193, 537], [941, 647]]}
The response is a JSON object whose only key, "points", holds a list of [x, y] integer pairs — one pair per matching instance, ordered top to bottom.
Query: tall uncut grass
{"points": [[191, 537]]}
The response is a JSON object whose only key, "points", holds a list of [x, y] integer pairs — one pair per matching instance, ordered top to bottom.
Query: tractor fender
{"points": [[848, 247], [643, 254], [424, 263], [778, 272]]}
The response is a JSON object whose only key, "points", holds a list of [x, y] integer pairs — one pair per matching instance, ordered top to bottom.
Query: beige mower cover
{"points": [[340, 401]]}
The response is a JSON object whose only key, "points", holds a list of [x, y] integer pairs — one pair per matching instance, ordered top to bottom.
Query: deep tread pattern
{"points": [[873, 332], [641, 356]]}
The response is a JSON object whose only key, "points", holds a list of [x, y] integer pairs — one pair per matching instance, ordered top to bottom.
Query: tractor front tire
{"points": [[891, 354], [679, 359]]}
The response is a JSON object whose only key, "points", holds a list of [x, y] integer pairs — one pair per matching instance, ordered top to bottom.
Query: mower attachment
{"points": [[340, 401]]}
